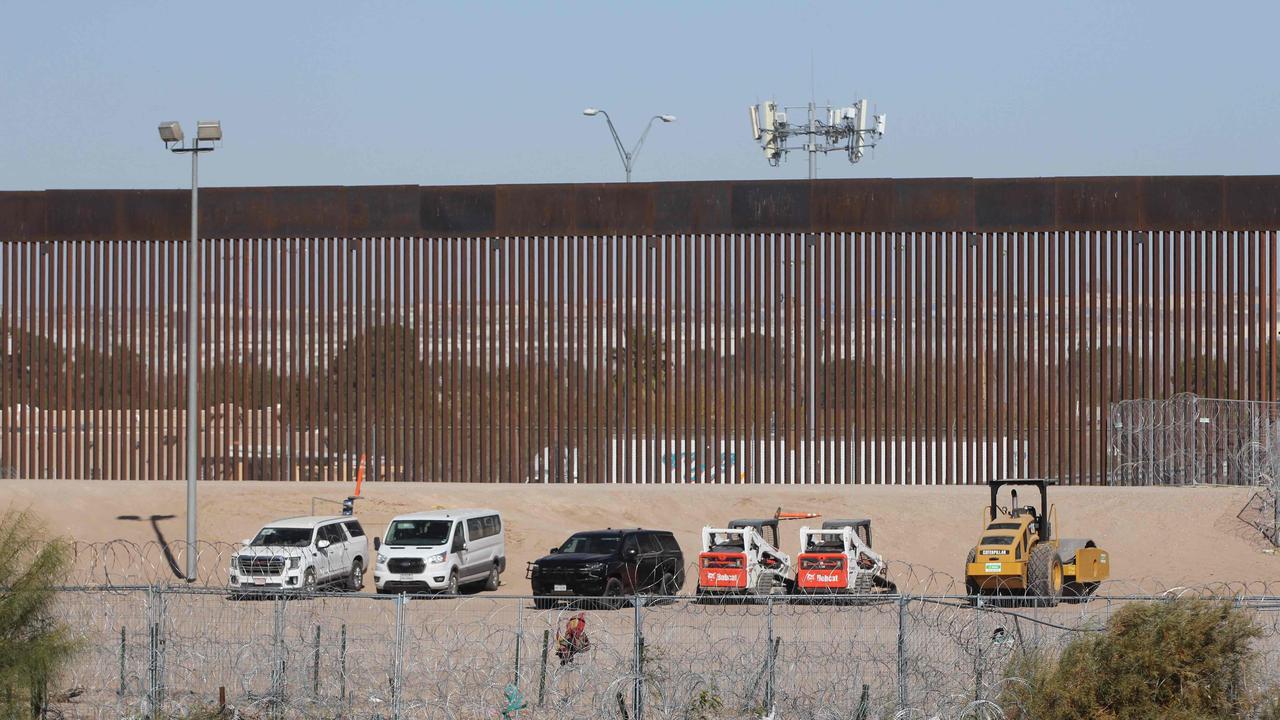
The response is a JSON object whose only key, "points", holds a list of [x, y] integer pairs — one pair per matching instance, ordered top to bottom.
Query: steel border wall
{"points": [[951, 330]]}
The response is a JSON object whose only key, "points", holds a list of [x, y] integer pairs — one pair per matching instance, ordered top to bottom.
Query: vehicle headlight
{"points": [[438, 557], [382, 559], [235, 562], [295, 563], [594, 567]]}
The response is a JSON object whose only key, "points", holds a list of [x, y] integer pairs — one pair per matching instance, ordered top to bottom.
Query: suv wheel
{"points": [[309, 580], [356, 582], [491, 582], [668, 586], [613, 594]]}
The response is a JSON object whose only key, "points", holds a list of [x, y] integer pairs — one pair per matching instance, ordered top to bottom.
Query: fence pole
{"points": [[978, 643], [902, 653], [278, 661], [769, 661], [397, 663], [315, 664], [342, 664], [542, 676], [515, 680], [123, 687], [637, 689]]}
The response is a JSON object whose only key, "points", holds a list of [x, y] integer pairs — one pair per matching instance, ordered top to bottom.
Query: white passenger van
{"points": [[441, 550]]}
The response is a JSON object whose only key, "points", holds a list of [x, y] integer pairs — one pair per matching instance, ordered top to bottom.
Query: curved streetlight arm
{"points": [[636, 150], [622, 151]]}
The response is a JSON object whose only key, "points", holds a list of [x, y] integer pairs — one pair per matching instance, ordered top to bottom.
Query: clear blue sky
{"points": [[456, 93]]}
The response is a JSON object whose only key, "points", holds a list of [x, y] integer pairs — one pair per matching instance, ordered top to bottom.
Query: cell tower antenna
{"points": [[844, 129]]}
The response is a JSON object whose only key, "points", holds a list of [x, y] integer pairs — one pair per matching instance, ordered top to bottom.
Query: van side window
{"points": [[492, 525], [475, 529], [457, 538]]}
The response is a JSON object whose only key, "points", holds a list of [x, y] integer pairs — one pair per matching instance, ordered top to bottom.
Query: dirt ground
{"points": [[1157, 537]]}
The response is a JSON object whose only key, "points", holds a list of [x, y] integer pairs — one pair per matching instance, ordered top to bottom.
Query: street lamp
{"points": [[207, 131], [628, 158]]}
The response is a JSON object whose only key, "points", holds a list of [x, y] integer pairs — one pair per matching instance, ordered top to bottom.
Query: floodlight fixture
{"points": [[590, 112], [667, 118], [210, 130], [171, 131]]}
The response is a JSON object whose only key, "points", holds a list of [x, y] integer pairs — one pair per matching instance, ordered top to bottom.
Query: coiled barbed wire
{"points": [[172, 651]]}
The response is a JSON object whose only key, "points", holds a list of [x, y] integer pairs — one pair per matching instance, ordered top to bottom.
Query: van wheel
{"points": [[309, 580], [356, 582], [491, 582], [452, 587]]}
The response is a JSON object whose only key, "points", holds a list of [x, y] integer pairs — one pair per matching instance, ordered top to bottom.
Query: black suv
{"points": [[609, 564]]}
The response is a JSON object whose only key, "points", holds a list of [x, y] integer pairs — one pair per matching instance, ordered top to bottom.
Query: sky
{"points": [[449, 93]]}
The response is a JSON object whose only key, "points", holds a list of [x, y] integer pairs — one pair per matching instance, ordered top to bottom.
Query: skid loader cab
{"points": [[861, 526], [767, 527]]}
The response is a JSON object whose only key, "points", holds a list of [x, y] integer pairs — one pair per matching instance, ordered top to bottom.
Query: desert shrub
{"points": [[34, 643], [1175, 660]]}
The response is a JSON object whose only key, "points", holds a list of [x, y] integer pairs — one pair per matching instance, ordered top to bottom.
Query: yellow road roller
{"points": [[1019, 554]]}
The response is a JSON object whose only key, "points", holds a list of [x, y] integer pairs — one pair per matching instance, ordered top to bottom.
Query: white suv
{"points": [[303, 553]]}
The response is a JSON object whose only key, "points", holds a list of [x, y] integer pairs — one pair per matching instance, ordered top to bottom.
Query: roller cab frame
{"points": [[1018, 553]]}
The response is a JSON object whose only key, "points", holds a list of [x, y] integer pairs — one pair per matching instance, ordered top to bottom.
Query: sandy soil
{"points": [[1158, 537]]}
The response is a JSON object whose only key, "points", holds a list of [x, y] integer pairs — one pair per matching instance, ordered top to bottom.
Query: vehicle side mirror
{"points": [[246, 542], [377, 543], [322, 544], [465, 547], [555, 550]]}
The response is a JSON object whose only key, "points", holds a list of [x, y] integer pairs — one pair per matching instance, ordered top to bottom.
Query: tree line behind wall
{"points": [[417, 418]]}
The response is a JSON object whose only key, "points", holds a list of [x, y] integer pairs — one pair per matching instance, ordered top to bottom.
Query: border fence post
{"points": [[902, 653]]}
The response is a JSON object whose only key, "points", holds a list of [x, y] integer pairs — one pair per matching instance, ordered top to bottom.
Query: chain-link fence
{"points": [[1190, 440], [152, 652]]}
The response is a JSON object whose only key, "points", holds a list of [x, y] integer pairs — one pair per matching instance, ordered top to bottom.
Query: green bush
{"points": [[33, 642], [1182, 659]]}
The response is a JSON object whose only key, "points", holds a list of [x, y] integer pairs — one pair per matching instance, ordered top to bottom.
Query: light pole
{"points": [[209, 131], [628, 158]]}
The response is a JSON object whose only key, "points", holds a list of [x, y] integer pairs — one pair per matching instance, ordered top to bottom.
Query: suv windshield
{"points": [[419, 532], [282, 537], [591, 544]]}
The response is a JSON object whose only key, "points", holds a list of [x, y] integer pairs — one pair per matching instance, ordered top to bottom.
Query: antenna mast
{"points": [[845, 129]]}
